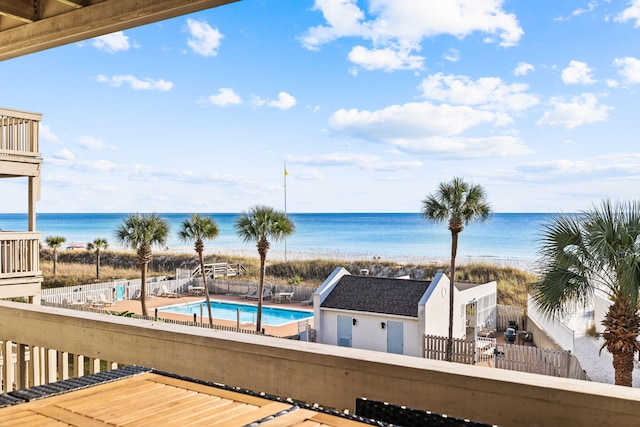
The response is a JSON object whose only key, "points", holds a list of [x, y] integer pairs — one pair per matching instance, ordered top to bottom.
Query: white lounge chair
{"points": [[167, 293], [136, 294], [266, 294], [250, 295], [104, 301], [94, 303]]}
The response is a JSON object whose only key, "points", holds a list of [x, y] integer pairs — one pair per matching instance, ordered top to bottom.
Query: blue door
{"points": [[344, 331], [395, 337]]}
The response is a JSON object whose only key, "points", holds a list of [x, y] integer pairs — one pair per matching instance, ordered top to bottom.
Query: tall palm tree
{"points": [[458, 203], [260, 224], [197, 229], [140, 232], [54, 242], [96, 247], [596, 249]]}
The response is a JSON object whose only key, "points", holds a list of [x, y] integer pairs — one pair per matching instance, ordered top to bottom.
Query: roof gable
{"points": [[377, 295]]}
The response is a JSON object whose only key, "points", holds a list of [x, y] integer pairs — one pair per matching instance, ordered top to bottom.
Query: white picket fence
{"points": [[512, 357]]}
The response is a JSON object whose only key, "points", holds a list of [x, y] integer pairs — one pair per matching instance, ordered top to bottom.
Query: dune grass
{"points": [[78, 267]]}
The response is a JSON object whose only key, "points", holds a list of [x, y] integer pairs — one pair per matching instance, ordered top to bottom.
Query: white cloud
{"points": [[580, 11], [632, 13], [397, 28], [204, 40], [112, 43], [452, 55], [386, 59], [523, 68], [629, 68], [577, 73], [135, 83], [487, 92], [225, 97], [284, 101], [578, 111], [425, 128], [47, 135], [91, 143], [64, 154], [362, 161], [99, 165], [625, 165]]}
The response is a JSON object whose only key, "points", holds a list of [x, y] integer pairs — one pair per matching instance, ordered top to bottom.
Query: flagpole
{"points": [[285, 208]]}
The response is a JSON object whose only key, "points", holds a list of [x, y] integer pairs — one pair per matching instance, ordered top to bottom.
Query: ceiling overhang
{"points": [[28, 26]]}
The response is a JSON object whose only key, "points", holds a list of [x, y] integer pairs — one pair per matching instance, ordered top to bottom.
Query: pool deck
{"points": [[280, 331]]}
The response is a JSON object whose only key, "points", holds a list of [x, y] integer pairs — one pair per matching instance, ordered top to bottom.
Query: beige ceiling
{"points": [[28, 26]]}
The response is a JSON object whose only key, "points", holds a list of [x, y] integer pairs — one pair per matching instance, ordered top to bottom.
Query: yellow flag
{"points": [[286, 173]]}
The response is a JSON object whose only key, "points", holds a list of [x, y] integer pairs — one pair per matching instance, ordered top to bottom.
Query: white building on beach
{"points": [[394, 315]]}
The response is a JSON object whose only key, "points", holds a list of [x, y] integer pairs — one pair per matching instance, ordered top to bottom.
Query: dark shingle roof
{"points": [[377, 295]]}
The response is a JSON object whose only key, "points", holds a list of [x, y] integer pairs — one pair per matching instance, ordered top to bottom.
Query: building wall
{"points": [[437, 308], [368, 333]]}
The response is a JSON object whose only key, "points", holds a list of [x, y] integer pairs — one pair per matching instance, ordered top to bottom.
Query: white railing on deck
{"points": [[19, 133], [19, 254]]}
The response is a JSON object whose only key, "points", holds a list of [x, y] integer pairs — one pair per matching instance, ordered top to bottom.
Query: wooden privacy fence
{"points": [[507, 313], [436, 348], [512, 357], [556, 363]]}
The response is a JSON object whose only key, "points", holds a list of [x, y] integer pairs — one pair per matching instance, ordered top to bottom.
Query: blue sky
{"points": [[370, 104]]}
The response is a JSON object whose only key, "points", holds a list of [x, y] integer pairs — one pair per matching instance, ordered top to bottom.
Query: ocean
{"points": [[508, 237]]}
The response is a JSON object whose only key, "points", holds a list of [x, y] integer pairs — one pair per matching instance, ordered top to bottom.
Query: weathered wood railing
{"points": [[19, 133], [19, 254], [315, 373]]}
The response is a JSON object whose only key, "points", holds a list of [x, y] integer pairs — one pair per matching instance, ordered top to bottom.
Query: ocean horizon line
{"points": [[288, 212]]}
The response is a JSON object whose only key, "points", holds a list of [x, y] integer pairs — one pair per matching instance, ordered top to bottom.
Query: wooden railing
{"points": [[19, 133], [19, 254], [220, 269], [314, 373]]}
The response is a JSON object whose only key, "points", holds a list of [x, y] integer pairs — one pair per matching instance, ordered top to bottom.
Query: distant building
{"points": [[394, 315]]}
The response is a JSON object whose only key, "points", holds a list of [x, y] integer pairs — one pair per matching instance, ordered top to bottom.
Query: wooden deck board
{"points": [[154, 399]]}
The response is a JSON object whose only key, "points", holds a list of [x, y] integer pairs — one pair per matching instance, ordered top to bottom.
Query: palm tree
{"points": [[458, 203], [260, 224], [197, 229], [140, 232], [54, 243], [96, 246], [596, 249]]}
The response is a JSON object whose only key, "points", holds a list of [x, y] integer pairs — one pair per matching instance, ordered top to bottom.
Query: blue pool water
{"points": [[271, 316]]}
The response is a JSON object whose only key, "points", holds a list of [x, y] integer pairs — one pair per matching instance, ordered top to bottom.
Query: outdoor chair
{"points": [[167, 293], [266, 294], [250, 295], [102, 299], [94, 303]]}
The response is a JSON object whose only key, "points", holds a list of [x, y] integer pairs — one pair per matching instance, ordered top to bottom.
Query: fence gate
{"points": [[436, 348], [484, 351]]}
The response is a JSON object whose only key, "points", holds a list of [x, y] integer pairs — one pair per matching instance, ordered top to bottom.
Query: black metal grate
{"points": [[47, 390], [407, 417]]}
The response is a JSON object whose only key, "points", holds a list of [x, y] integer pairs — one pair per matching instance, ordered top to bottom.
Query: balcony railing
{"points": [[19, 133], [19, 254], [41, 344]]}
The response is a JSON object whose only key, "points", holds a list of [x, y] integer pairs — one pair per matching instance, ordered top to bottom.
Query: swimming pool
{"points": [[271, 316]]}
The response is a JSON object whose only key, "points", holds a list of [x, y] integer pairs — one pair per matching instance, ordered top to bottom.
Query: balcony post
{"points": [[78, 365], [7, 366], [21, 367]]}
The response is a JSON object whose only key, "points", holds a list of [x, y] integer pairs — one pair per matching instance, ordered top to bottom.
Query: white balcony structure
{"points": [[20, 158]]}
